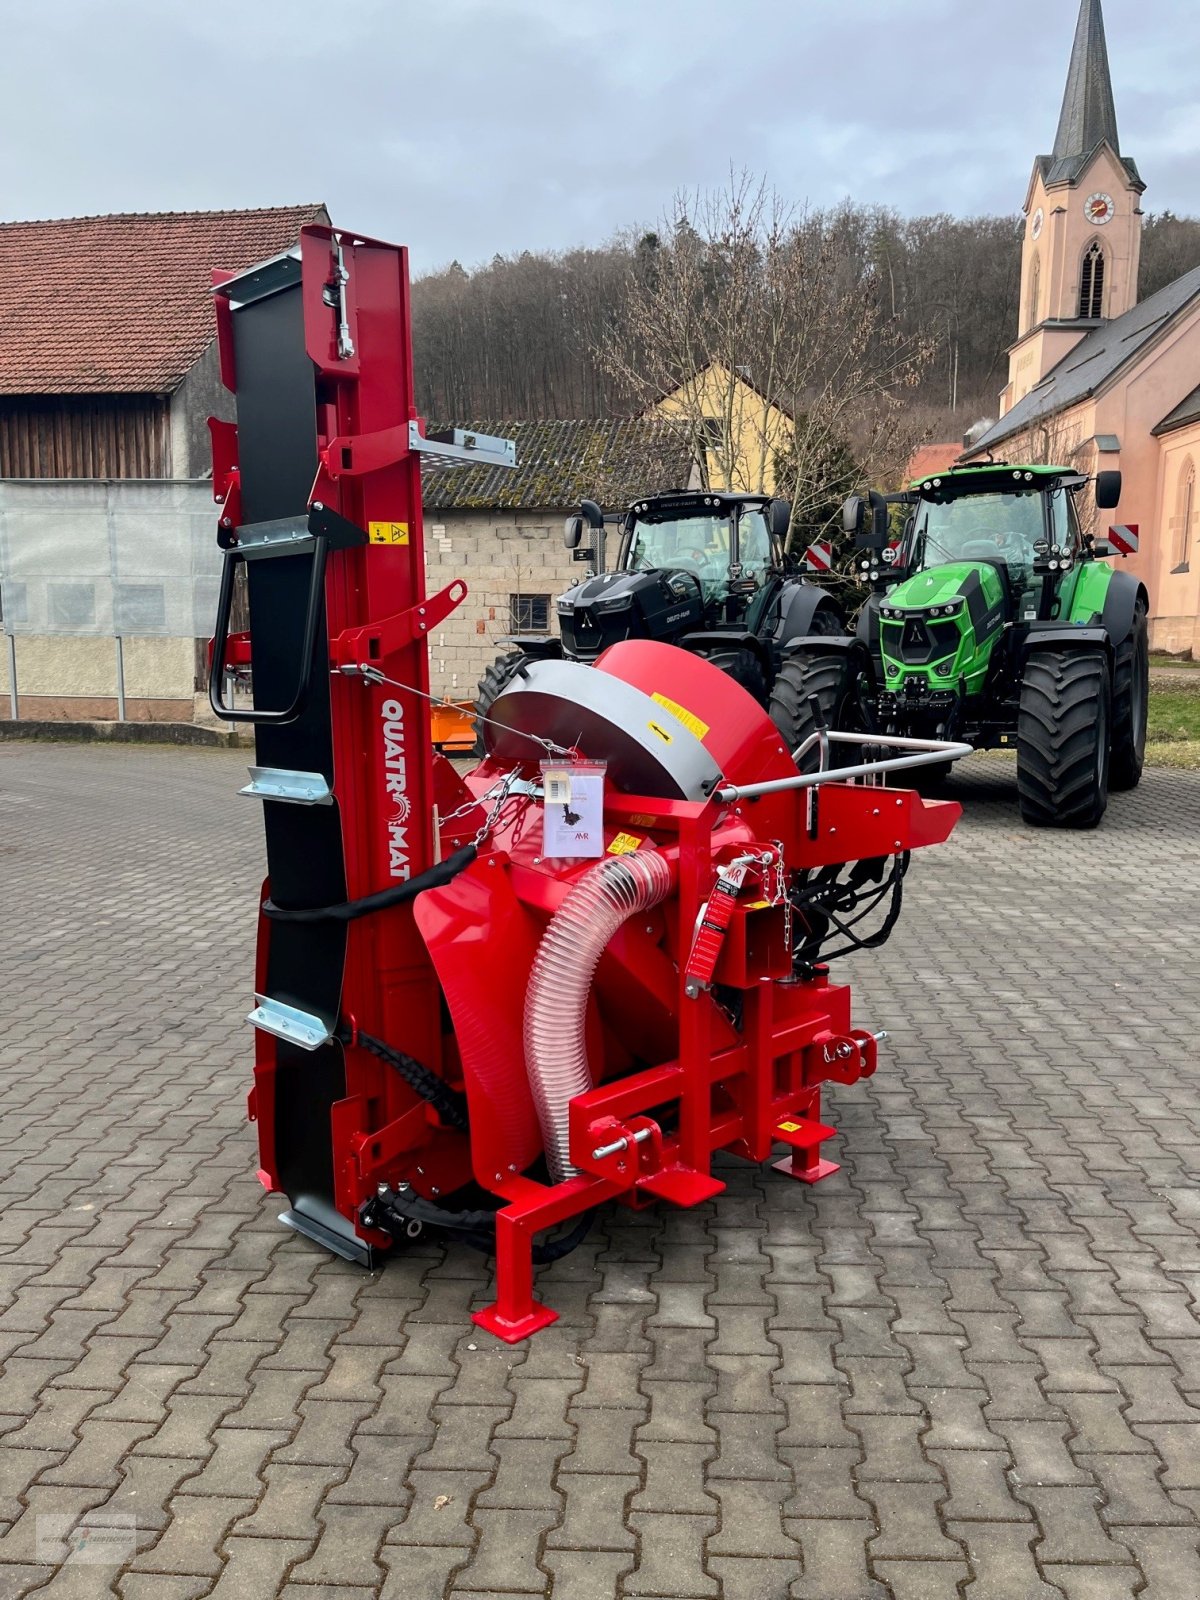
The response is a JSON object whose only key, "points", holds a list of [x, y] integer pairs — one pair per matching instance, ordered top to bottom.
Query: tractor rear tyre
{"points": [[825, 623], [744, 667], [830, 678], [491, 686], [1131, 696], [1064, 734]]}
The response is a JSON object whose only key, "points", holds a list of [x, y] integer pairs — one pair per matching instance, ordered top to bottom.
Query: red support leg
{"points": [[806, 1134], [514, 1314]]}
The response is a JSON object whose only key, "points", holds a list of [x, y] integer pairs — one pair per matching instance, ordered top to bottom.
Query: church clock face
{"points": [[1099, 208], [1035, 227]]}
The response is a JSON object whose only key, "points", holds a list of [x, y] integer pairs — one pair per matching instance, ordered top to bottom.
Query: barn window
{"points": [[1091, 283], [1035, 291], [1184, 512], [529, 613]]}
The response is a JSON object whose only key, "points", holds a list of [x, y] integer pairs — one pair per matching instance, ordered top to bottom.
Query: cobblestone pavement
{"points": [[967, 1365]]}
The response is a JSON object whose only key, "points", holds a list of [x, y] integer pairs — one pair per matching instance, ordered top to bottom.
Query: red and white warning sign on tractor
{"points": [[1124, 538], [819, 556]]}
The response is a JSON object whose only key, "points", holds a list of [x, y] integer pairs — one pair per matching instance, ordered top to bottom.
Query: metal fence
{"points": [[117, 558]]}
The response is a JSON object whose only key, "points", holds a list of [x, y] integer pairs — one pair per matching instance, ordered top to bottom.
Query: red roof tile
{"points": [[122, 304], [931, 458]]}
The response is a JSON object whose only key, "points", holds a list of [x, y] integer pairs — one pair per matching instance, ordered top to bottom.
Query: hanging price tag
{"points": [[573, 809]]}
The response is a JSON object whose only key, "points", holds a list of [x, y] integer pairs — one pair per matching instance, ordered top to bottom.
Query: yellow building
{"points": [[739, 434]]}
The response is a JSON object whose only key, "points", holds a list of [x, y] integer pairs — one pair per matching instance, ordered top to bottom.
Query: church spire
{"points": [[1088, 113]]}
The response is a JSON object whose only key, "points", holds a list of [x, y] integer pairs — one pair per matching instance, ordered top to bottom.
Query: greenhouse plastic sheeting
{"points": [[136, 558]]}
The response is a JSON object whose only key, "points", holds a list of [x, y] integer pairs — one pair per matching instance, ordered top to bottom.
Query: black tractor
{"points": [[701, 569]]}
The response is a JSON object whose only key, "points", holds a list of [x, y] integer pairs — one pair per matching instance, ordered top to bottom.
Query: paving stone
{"points": [[674, 1479], [288, 1506], [439, 1509], [594, 1514], [908, 1522], [1071, 1527], [190, 1542], [345, 1550], [671, 1556], [1001, 1561], [834, 1563], [256, 1566], [586, 1575], [923, 1580], [1098, 1583]]}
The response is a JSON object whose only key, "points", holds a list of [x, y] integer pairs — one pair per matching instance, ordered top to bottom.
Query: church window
{"points": [[1091, 283], [1035, 291], [1185, 511]]}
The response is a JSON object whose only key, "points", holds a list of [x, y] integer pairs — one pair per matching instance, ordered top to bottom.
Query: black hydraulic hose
{"points": [[396, 895], [450, 1106], [476, 1228]]}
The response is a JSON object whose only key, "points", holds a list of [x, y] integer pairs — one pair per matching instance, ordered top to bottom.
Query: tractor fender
{"points": [[1120, 603], [798, 605], [1064, 635], [703, 644], [826, 644], [536, 646]]}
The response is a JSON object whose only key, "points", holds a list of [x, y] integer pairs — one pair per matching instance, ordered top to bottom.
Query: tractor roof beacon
{"points": [[698, 568], [992, 619]]}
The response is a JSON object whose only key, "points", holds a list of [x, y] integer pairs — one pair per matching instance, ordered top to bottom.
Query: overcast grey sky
{"points": [[462, 128]]}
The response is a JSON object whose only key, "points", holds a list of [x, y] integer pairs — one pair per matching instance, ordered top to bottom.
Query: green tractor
{"points": [[991, 621]]}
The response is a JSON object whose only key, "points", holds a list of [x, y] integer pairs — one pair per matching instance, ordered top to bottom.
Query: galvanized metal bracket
{"points": [[458, 444], [277, 783], [288, 1022]]}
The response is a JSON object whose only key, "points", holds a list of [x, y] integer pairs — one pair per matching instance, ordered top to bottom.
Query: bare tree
{"points": [[764, 328]]}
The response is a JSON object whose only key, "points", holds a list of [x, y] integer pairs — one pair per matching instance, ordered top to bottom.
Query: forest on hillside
{"points": [[534, 335]]}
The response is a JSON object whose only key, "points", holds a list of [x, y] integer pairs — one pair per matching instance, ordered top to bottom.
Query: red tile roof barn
{"points": [[122, 304]]}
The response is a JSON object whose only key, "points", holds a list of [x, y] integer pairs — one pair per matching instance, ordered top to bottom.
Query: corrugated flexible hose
{"points": [[611, 892]]}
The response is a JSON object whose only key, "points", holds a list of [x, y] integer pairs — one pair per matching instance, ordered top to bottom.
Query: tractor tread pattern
{"points": [[744, 667], [805, 674], [491, 686], [1065, 698], [1129, 743]]}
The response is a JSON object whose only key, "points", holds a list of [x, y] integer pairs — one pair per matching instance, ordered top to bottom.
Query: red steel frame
{"points": [[743, 1093]]}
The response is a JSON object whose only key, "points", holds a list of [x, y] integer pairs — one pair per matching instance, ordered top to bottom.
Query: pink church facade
{"points": [[1098, 379]]}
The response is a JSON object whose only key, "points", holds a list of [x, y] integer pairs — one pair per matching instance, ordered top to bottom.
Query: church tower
{"points": [[1083, 220]]}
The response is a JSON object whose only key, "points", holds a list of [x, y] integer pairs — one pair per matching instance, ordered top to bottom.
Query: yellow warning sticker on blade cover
{"points": [[387, 532], [689, 719], [624, 844], [788, 1127]]}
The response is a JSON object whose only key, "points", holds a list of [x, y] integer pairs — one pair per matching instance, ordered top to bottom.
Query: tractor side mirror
{"points": [[1108, 490], [853, 513], [592, 514], [779, 518], [573, 532], [879, 536]]}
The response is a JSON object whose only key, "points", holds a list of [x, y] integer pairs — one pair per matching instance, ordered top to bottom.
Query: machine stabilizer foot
{"points": [[792, 1168], [513, 1329]]}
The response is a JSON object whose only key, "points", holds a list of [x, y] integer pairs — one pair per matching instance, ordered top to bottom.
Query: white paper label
{"points": [[574, 825]]}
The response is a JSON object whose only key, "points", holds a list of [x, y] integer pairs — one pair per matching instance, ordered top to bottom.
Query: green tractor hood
{"points": [[942, 585], [938, 627]]}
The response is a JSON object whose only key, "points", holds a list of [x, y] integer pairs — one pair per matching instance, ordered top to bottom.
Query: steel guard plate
{"points": [[482, 943]]}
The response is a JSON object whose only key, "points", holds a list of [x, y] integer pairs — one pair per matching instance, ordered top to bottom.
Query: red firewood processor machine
{"points": [[486, 1006]]}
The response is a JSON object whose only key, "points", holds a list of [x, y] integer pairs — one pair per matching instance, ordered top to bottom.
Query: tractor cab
{"points": [[723, 541], [688, 563]]}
